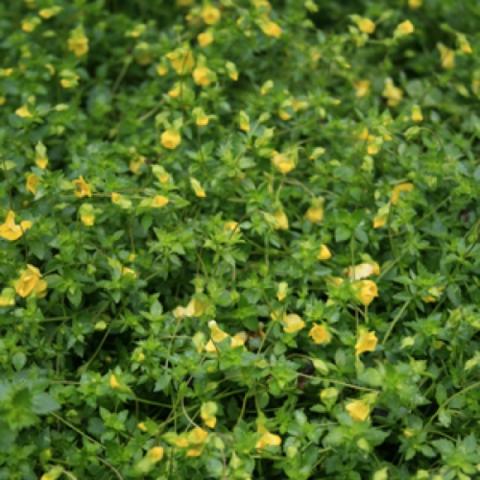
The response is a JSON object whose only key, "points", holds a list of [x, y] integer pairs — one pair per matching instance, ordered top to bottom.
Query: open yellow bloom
{"points": [[210, 14], [365, 25], [270, 28], [404, 28], [204, 39], [78, 42], [447, 56], [182, 60], [203, 76], [362, 88], [23, 112], [171, 139], [283, 162], [32, 183], [82, 188], [197, 188], [398, 189], [315, 214], [9, 230], [324, 253], [363, 270], [30, 282], [365, 291], [293, 323], [216, 333], [320, 334], [366, 342], [358, 410], [208, 411], [195, 439], [268, 439]]}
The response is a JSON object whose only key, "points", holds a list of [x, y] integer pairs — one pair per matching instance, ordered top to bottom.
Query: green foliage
{"points": [[239, 239]]}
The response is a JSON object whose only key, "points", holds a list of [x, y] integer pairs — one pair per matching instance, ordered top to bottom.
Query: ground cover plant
{"points": [[239, 239]]}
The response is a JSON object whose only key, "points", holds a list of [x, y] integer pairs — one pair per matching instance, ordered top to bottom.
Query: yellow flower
{"points": [[414, 4], [50, 12], [210, 14], [30, 24], [365, 25], [270, 28], [404, 28], [205, 38], [78, 42], [464, 44], [447, 57], [182, 60], [161, 70], [232, 71], [203, 76], [69, 79], [266, 87], [362, 88], [176, 90], [392, 93], [23, 112], [417, 115], [201, 118], [244, 121], [171, 139], [41, 158], [283, 162], [136, 163], [32, 183], [82, 188], [197, 188], [398, 189], [120, 200], [159, 201], [315, 213], [87, 214], [381, 217], [281, 220], [9, 230], [324, 253], [363, 270], [30, 282], [282, 291], [365, 291], [7, 297], [292, 323], [216, 333], [320, 334], [238, 340], [366, 342], [114, 383], [208, 410], [358, 410], [142, 427], [195, 439], [268, 439], [155, 454], [52, 474]]}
